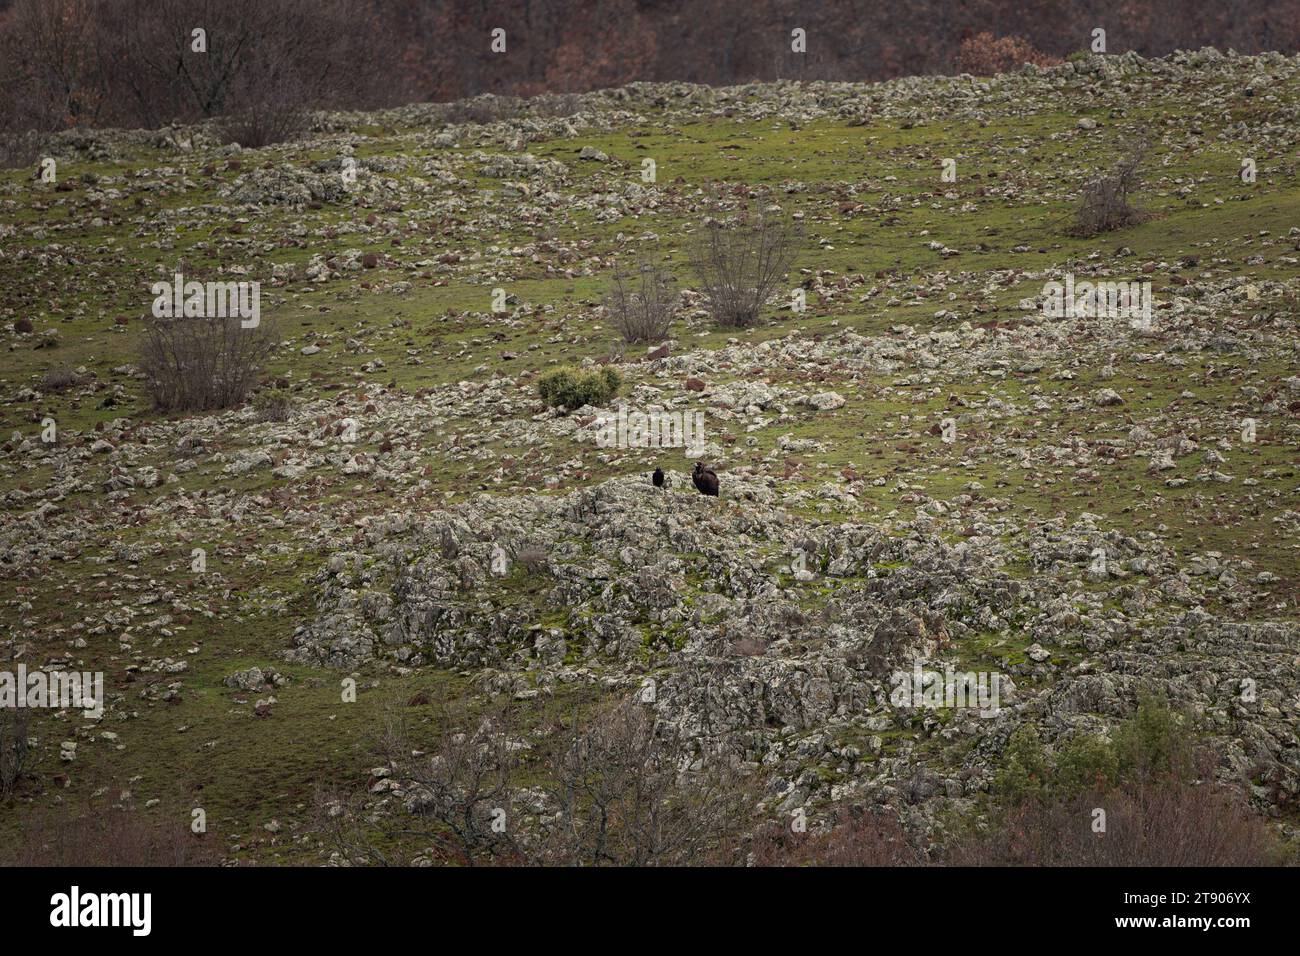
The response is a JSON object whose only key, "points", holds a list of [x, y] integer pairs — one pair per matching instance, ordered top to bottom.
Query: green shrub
{"points": [[572, 388], [273, 405], [1153, 742], [1151, 745], [1084, 763], [1026, 768]]}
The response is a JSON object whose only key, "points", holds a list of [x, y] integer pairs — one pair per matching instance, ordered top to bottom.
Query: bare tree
{"points": [[51, 65], [1105, 204], [740, 262], [642, 303], [200, 364], [463, 785], [616, 789], [630, 794]]}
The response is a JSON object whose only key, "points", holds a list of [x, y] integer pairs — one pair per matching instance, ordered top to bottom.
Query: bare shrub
{"points": [[266, 104], [555, 105], [482, 109], [261, 124], [19, 149], [1105, 204], [741, 261], [642, 303], [200, 364], [60, 378], [13, 748], [461, 785], [613, 789], [453, 792], [627, 796], [338, 820], [1170, 823], [106, 836], [868, 839]]}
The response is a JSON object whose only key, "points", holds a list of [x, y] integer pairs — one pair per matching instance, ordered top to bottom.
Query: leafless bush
{"points": [[266, 107], [482, 109], [262, 124], [19, 149], [1105, 204], [740, 262], [642, 303], [200, 364], [60, 378], [13, 748], [461, 785], [614, 790], [456, 795], [626, 796], [340, 822], [1170, 823], [106, 836]]}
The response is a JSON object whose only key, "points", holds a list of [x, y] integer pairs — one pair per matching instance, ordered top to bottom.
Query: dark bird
{"points": [[658, 478], [706, 480]]}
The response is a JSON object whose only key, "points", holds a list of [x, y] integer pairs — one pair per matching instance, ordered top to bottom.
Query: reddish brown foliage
{"points": [[984, 54], [128, 62], [1169, 824], [106, 836], [868, 840]]}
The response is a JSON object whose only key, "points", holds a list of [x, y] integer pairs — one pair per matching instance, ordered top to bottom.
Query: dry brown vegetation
{"points": [[131, 63], [1107, 200], [741, 260], [642, 303], [200, 364], [615, 789], [106, 835]]}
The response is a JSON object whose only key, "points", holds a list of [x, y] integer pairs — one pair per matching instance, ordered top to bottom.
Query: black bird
{"points": [[658, 478], [706, 480]]}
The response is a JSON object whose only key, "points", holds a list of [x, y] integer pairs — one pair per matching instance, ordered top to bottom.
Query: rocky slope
{"points": [[1099, 526]]}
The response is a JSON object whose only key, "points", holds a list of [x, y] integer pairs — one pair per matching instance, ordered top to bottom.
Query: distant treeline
{"points": [[134, 62]]}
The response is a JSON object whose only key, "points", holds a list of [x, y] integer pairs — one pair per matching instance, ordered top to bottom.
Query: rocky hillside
{"points": [[922, 469]]}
